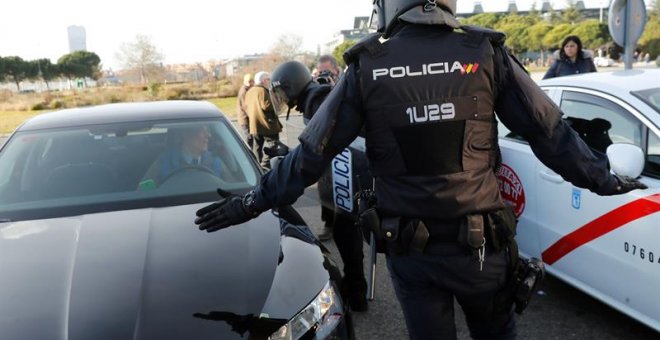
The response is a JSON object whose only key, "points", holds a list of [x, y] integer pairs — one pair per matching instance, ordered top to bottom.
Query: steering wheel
{"points": [[178, 171]]}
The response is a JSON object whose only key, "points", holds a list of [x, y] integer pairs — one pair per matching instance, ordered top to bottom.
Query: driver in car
{"points": [[188, 148]]}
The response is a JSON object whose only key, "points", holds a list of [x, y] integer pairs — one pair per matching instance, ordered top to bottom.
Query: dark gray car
{"points": [[97, 239]]}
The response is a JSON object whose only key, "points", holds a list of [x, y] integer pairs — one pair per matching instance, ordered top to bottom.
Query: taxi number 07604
{"points": [[643, 254]]}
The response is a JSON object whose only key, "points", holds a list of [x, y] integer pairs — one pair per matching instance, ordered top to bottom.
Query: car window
{"points": [[650, 97], [600, 122], [503, 131], [113, 164], [652, 166]]}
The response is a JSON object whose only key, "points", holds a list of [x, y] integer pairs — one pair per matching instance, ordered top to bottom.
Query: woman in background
{"points": [[572, 60]]}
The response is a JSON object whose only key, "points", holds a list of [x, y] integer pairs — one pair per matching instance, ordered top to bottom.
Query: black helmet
{"points": [[386, 12], [288, 82]]}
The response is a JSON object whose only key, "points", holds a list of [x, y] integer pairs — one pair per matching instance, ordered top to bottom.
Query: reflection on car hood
{"points": [[150, 274]]}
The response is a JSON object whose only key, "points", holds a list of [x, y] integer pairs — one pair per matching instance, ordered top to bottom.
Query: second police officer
{"points": [[292, 86], [431, 139]]}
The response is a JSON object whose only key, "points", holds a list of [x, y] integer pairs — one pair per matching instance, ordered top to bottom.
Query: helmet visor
{"points": [[373, 20], [279, 99]]}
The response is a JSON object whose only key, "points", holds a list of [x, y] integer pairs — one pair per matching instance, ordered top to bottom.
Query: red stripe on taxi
{"points": [[602, 225]]}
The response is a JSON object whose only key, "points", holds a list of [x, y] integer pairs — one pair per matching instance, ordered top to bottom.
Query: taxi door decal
{"points": [[602, 225]]}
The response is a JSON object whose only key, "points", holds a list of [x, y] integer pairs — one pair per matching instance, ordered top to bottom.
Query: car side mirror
{"points": [[626, 159]]}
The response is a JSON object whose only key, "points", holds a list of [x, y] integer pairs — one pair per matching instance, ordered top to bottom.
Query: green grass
{"points": [[226, 105], [9, 120]]}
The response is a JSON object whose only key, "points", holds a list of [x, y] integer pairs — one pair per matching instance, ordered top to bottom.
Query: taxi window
{"points": [[600, 122], [503, 131], [652, 166]]}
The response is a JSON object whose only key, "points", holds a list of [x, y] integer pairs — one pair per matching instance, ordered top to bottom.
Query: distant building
{"points": [[594, 10], [359, 31], [77, 38], [236, 66]]}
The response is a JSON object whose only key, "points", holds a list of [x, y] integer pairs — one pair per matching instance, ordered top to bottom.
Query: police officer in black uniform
{"points": [[292, 85], [426, 96]]}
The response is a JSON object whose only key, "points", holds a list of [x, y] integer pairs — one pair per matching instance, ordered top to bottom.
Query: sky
{"points": [[188, 31]]}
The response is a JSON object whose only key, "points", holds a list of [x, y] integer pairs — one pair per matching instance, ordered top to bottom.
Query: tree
{"points": [[534, 13], [571, 13], [553, 16], [489, 20], [515, 28], [592, 33], [535, 35], [516, 36], [555, 37], [650, 39], [287, 46], [338, 52], [143, 57], [80, 64], [69, 68], [17, 69], [46, 70], [3, 73]]}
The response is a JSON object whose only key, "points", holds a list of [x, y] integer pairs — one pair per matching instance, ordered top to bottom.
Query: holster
{"points": [[370, 221], [501, 229], [471, 231], [404, 236], [524, 275]]}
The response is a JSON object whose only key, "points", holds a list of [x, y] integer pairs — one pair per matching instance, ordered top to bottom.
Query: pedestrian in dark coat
{"points": [[572, 60]]}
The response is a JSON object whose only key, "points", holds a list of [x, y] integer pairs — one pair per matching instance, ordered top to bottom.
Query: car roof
{"points": [[615, 82], [122, 112]]}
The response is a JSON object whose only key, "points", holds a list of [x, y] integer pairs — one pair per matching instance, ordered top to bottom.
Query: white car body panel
{"points": [[605, 246]]}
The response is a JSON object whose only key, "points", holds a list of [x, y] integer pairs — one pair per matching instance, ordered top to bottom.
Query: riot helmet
{"points": [[387, 12], [288, 82]]}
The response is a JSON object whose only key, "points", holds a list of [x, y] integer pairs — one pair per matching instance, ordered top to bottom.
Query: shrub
{"points": [[154, 88], [178, 93], [5, 95], [48, 98], [58, 104], [38, 107]]}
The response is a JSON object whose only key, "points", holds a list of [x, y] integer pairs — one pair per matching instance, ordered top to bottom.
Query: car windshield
{"points": [[650, 96], [65, 172]]}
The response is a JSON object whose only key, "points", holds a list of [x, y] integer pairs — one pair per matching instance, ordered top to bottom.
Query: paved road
{"points": [[558, 312]]}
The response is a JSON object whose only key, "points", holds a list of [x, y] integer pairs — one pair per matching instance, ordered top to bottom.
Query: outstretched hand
{"points": [[627, 184], [224, 213]]}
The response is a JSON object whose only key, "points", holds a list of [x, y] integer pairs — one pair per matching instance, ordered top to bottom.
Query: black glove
{"points": [[627, 184], [624, 185], [228, 211]]}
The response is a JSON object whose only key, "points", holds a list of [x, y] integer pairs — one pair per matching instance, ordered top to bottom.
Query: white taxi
{"points": [[608, 247]]}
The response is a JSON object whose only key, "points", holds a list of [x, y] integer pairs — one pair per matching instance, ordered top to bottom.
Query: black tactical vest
{"points": [[431, 131]]}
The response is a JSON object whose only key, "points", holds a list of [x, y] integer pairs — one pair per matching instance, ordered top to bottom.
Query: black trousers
{"points": [[249, 139], [258, 148], [348, 238], [427, 284]]}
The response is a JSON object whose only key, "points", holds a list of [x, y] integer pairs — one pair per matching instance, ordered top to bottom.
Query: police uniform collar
{"points": [[437, 16]]}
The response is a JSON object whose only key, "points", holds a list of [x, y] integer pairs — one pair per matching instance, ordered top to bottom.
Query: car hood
{"points": [[150, 274]]}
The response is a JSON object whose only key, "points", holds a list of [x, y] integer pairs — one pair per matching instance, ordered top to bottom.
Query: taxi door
{"points": [[517, 181], [607, 246]]}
